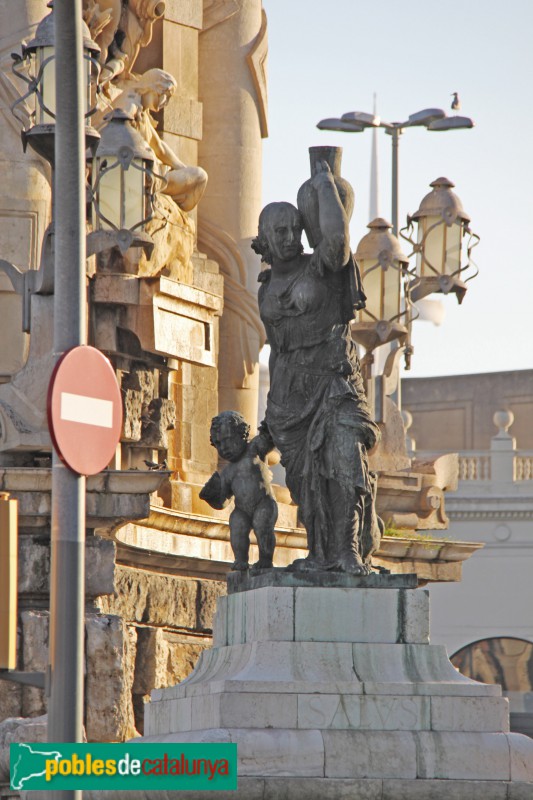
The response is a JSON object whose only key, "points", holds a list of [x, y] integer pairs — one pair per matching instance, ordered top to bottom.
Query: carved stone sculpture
{"points": [[120, 29], [150, 93], [317, 413], [247, 479]]}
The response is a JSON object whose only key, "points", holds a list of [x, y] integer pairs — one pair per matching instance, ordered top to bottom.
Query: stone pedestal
{"points": [[337, 693]]}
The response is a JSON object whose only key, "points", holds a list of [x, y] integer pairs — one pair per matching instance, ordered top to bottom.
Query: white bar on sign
{"points": [[86, 410]]}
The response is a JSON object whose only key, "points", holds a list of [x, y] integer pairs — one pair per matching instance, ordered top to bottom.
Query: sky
{"points": [[329, 58]]}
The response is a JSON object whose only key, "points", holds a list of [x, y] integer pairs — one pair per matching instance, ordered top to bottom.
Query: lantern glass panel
{"points": [[47, 86], [133, 195], [108, 196], [120, 196], [434, 246], [453, 247], [372, 289], [391, 292]]}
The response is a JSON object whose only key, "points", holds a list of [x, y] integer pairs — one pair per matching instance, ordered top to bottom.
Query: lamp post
{"points": [[433, 119], [67, 560]]}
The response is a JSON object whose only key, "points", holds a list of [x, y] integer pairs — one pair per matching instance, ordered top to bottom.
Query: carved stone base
{"points": [[336, 692]]}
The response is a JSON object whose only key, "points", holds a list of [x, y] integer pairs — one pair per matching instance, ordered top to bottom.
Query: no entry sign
{"points": [[84, 410]]}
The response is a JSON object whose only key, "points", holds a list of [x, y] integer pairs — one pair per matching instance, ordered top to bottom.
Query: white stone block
{"points": [[415, 606], [265, 614], [270, 614], [323, 614], [346, 615], [236, 620], [220, 623], [231, 661], [294, 661], [327, 661], [397, 663], [218, 664], [412, 664], [286, 687], [442, 688], [243, 710], [256, 710], [335, 711], [205, 712], [358, 712], [396, 713], [180, 714], [489, 714], [157, 718], [196, 736], [274, 752], [370, 754], [463, 756], [521, 758], [321, 789], [445, 790], [519, 791]]}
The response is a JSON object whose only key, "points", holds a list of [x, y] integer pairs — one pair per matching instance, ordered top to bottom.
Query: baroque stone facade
{"points": [[157, 318]]}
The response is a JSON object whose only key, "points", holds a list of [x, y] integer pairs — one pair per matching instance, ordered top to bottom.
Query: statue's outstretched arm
{"points": [[216, 492]]}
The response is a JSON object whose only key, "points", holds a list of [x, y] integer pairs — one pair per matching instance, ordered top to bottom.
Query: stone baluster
{"points": [[502, 449]]}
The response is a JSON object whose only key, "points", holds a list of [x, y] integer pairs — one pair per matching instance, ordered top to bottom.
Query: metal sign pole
{"points": [[67, 579]]}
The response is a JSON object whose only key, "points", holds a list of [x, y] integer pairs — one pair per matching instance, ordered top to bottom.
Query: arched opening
{"points": [[509, 662]]}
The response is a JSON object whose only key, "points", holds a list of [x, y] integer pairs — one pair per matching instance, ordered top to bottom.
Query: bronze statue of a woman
{"points": [[317, 414]]}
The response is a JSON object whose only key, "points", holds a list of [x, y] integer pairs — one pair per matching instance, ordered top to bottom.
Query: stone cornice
{"points": [[178, 542]]}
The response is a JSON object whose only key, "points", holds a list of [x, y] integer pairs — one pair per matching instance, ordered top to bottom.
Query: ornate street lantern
{"points": [[37, 68], [122, 183], [442, 225], [383, 267]]}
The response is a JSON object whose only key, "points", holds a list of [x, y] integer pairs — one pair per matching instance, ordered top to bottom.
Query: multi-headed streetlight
{"points": [[433, 119], [442, 224]]}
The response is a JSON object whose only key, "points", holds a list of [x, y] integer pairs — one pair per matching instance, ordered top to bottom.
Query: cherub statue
{"points": [[151, 92], [246, 478]]}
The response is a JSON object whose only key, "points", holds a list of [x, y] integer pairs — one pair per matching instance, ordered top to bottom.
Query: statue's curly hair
{"points": [[260, 244], [235, 419]]}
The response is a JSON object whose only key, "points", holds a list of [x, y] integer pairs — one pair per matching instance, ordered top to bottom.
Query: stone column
{"points": [[233, 91], [24, 190]]}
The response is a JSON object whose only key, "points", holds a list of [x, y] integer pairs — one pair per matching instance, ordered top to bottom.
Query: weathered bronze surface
{"points": [[317, 413], [247, 479]]}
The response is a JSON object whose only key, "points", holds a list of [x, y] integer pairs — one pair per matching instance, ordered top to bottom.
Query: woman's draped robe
{"points": [[317, 412]]}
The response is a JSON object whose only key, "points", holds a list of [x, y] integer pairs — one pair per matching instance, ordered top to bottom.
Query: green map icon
{"points": [[30, 763]]}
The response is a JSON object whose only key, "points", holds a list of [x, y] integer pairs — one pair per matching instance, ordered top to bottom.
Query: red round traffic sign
{"points": [[84, 410]]}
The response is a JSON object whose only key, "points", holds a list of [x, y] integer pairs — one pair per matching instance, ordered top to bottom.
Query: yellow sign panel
{"points": [[8, 582]]}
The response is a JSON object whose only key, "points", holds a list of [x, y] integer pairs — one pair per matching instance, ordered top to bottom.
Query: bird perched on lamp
{"points": [[456, 103]]}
